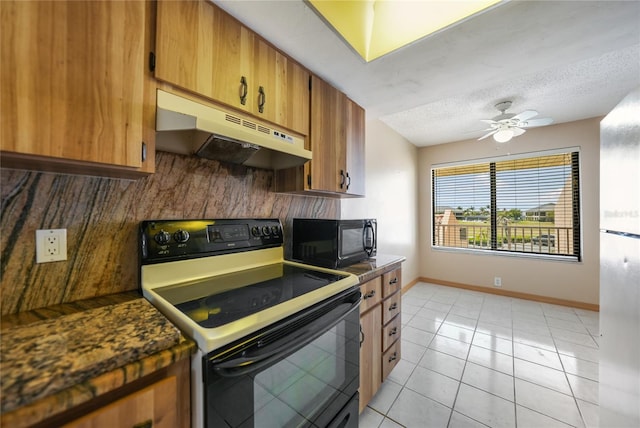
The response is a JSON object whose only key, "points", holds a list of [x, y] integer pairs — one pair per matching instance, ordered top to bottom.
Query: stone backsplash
{"points": [[101, 216]]}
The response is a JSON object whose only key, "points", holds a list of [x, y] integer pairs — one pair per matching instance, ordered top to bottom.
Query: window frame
{"points": [[576, 159]]}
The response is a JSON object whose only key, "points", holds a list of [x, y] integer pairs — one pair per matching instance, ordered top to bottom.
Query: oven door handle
{"points": [[257, 357]]}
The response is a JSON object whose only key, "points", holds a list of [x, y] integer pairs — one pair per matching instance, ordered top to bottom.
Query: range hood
{"points": [[188, 127]]}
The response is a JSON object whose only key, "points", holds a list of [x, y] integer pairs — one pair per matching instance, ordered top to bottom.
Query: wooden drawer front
{"points": [[391, 282], [371, 293], [390, 308], [391, 333], [390, 358], [154, 406]]}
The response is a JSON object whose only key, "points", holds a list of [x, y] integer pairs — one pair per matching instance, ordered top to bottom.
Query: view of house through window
{"points": [[518, 204]]}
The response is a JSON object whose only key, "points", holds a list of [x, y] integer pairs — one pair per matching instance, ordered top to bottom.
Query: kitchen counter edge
{"points": [[366, 270], [82, 393]]}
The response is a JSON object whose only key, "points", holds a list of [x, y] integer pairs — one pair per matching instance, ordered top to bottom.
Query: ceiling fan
{"points": [[505, 126]]}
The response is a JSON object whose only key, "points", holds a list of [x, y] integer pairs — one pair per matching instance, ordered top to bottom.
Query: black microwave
{"points": [[333, 243]]}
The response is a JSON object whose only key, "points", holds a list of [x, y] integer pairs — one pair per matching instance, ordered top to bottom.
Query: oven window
{"points": [[307, 387]]}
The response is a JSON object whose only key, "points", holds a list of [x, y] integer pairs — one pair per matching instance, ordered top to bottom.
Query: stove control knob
{"points": [[266, 230], [275, 230], [255, 231], [181, 236], [162, 237]]}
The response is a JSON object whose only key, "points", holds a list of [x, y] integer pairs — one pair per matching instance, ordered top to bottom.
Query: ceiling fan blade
{"points": [[524, 116], [489, 121], [536, 122], [517, 131], [489, 134]]}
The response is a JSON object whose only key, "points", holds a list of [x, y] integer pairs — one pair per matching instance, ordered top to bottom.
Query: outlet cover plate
{"points": [[51, 245]]}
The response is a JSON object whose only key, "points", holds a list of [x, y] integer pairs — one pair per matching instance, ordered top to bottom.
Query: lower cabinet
{"points": [[380, 326], [370, 361], [161, 399], [153, 406]]}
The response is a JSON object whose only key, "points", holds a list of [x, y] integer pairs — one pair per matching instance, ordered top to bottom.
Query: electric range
{"points": [[226, 285]]}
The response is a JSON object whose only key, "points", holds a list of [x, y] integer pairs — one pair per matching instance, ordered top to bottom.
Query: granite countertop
{"points": [[368, 269], [53, 359]]}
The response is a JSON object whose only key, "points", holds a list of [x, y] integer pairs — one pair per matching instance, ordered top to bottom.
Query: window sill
{"points": [[494, 253]]}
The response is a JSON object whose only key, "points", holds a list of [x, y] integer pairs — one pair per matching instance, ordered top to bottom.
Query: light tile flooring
{"points": [[472, 359]]}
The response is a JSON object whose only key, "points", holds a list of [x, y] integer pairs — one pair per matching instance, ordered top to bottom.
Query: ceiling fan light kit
{"points": [[505, 126], [503, 135]]}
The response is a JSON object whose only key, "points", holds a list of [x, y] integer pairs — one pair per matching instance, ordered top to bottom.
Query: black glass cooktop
{"points": [[222, 299]]}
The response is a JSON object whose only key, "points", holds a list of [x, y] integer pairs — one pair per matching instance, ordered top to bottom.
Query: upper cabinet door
{"points": [[202, 49], [73, 85], [280, 88], [355, 133], [327, 138], [337, 139]]}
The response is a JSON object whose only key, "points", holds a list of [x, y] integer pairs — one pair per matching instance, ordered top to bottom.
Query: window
{"points": [[526, 204]]}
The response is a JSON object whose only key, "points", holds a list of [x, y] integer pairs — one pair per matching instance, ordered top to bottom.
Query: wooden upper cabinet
{"points": [[202, 49], [74, 87], [279, 88], [355, 135], [327, 138], [336, 139], [337, 142]]}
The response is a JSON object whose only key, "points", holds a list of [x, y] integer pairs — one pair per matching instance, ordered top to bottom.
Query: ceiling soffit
{"points": [[373, 28]]}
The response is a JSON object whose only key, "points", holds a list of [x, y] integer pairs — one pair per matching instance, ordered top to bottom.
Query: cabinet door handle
{"points": [[243, 90], [262, 98], [143, 155], [342, 178], [348, 181], [393, 281], [369, 294], [393, 307], [393, 331], [361, 336], [393, 357]]}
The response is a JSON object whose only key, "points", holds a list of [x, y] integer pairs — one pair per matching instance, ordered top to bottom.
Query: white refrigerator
{"points": [[620, 265]]}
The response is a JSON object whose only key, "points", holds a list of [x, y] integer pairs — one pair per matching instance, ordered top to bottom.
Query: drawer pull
{"points": [[393, 281], [369, 294], [394, 306], [393, 331], [393, 357], [145, 424]]}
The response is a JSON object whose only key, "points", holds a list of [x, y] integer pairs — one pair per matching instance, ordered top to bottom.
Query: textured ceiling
{"points": [[569, 60]]}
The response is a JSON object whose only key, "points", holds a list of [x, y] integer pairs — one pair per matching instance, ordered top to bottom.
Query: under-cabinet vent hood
{"points": [[188, 127]]}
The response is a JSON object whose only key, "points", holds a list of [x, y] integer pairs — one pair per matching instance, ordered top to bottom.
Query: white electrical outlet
{"points": [[51, 245], [497, 281]]}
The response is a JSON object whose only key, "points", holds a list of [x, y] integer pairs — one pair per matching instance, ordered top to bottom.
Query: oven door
{"points": [[304, 371]]}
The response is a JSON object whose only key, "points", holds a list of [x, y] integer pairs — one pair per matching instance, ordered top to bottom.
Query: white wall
{"points": [[391, 195], [575, 281]]}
